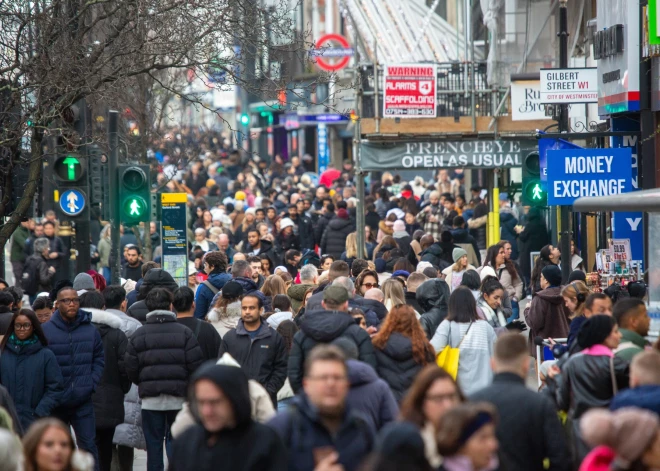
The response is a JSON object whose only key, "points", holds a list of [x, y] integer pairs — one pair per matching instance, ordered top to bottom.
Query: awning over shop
{"points": [[445, 154]]}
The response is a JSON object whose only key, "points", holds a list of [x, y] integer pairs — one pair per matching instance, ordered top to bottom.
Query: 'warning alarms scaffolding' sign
{"points": [[569, 86], [410, 91]]}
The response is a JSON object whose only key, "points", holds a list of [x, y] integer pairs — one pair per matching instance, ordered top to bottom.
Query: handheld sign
{"points": [[574, 173]]}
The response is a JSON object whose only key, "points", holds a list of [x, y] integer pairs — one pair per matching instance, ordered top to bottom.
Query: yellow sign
{"points": [[173, 198]]}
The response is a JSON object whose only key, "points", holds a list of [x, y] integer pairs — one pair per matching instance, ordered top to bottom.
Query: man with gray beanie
{"points": [[83, 282], [324, 326]]}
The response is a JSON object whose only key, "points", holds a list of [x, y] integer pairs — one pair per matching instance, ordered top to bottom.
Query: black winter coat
{"points": [[508, 223], [321, 225], [305, 232], [532, 239], [333, 241], [435, 256], [155, 278], [432, 296], [323, 326], [161, 356], [263, 359], [396, 364], [108, 398], [528, 429]]}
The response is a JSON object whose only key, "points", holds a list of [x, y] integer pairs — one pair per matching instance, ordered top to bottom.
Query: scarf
{"points": [[493, 318], [22, 343]]}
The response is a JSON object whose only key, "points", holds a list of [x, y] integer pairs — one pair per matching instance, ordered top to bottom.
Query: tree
{"points": [[56, 52]]}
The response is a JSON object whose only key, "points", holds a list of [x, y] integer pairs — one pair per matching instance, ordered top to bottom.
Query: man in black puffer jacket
{"points": [[333, 241], [155, 278], [432, 296], [324, 326], [161, 357], [108, 398]]}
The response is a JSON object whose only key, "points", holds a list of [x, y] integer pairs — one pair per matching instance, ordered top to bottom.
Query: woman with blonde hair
{"points": [[351, 252], [454, 273], [273, 286], [394, 295], [575, 295]]}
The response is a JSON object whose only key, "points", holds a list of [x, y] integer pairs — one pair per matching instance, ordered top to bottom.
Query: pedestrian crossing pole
{"points": [[565, 213]]}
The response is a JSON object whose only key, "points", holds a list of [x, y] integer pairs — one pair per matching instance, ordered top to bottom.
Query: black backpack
{"points": [[30, 281]]}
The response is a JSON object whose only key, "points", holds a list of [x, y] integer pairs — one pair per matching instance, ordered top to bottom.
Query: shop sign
{"points": [[445, 154], [575, 173]]}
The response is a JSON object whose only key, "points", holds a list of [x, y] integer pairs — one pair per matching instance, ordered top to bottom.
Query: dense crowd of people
{"points": [[286, 351]]}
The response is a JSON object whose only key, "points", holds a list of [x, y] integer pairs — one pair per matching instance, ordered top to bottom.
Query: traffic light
{"points": [[245, 119], [71, 186], [533, 189], [134, 193]]}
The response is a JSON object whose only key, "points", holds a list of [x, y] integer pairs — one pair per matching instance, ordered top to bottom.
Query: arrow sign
{"points": [[71, 163], [72, 202]]}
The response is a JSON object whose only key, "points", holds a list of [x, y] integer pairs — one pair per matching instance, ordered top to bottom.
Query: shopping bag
{"points": [[449, 357]]}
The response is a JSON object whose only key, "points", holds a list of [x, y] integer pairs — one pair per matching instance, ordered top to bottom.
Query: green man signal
{"points": [[533, 191], [134, 193]]}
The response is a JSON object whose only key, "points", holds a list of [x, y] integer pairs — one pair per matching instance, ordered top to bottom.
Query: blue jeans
{"points": [[106, 274], [515, 307], [283, 404], [82, 420], [156, 425]]}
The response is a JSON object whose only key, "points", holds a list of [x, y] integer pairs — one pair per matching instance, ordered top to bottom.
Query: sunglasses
{"points": [[370, 285]]}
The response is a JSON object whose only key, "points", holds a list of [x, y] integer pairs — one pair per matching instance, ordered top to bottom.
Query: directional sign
{"points": [[324, 52], [71, 163], [72, 202]]}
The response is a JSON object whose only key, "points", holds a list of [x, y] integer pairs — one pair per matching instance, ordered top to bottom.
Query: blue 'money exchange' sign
{"points": [[574, 173]]}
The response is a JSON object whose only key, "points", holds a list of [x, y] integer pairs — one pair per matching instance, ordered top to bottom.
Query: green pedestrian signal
{"points": [[245, 119], [533, 189], [134, 193]]}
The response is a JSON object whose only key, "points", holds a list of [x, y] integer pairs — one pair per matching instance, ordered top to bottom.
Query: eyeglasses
{"points": [[370, 285], [69, 301], [27, 326], [443, 397]]}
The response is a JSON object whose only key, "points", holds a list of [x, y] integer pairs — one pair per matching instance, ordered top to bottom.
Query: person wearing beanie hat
{"points": [[286, 238], [333, 238], [403, 239], [454, 273], [552, 274], [577, 275], [83, 281], [548, 316], [590, 379], [225, 431], [625, 439]]}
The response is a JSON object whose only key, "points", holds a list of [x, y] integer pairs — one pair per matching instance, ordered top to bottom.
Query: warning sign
{"points": [[410, 91]]}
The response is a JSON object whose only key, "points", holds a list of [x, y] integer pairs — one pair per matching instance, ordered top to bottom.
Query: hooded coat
{"points": [[508, 222], [532, 239], [333, 241], [435, 256], [155, 278], [296, 294], [204, 295], [432, 296], [547, 316], [227, 320], [323, 326], [78, 348], [396, 364], [33, 379], [370, 395], [108, 398], [302, 431], [249, 446]]}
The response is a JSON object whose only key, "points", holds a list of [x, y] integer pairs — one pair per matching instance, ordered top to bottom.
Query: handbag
{"points": [[449, 356]]}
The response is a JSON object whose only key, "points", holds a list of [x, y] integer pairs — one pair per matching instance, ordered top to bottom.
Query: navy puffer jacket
{"points": [[78, 348], [33, 378]]}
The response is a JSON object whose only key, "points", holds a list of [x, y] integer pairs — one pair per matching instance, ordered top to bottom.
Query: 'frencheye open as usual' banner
{"points": [[445, 154]]}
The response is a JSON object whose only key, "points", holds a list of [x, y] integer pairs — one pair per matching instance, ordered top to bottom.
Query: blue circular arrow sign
{"points": [[72, 202]]}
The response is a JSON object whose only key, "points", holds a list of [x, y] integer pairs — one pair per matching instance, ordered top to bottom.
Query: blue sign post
{"points": [[323, 151], [574, 173], [72, 202]]}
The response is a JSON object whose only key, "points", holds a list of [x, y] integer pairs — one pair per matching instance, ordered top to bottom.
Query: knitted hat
{"points": [[240, 195], [342, 214], [286, 222], [399, 226], [457, 253], [402, 273], [552, 274], [577, 275], [83, 281], [232, 290], [595, 330], [628, 431]]}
